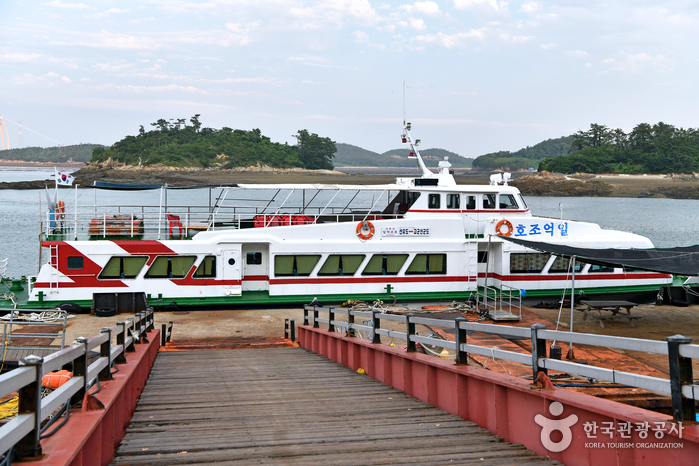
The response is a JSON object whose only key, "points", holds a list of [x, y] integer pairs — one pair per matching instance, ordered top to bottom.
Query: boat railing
{"points": [[184, 222], [503, 303], [680, 387], [21, 436]]}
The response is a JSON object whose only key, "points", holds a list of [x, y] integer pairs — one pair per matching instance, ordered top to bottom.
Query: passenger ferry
{"points": [[420, 238]]}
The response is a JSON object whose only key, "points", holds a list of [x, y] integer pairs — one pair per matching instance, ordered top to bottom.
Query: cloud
{"points": [[468, 4], [74, 6], [530, 7], [426, 8], [360, 37], [450, 41], [547, 46], [577, 53], [19, 57], [632, 64], [112, 68], [66, 79], [168, 88]]}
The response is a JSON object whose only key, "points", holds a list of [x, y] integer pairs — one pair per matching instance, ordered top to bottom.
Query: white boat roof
{"points": [[379, 187]]}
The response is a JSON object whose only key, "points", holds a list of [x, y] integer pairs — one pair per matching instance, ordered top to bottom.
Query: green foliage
{"points": [[176, 143], [660, 148], [315, 152], [76, 153], [353, 156], [524, 158]]}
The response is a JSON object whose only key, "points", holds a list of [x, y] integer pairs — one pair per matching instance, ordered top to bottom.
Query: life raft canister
{"points": [[505, 223], [365, 230], [53, 380]]}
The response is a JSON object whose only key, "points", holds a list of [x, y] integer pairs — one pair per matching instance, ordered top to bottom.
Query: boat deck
{"points": [[291, 406]]}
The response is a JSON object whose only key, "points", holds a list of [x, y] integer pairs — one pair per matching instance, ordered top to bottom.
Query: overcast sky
{"points": [[481, 75]]}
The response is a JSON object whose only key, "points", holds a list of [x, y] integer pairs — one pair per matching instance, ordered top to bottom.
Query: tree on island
{"points": [[176, 143]]}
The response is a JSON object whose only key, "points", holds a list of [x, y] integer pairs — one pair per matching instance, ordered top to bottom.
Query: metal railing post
{"points": [[305, 315], [315, 317], [331, 318], [376, 323], [350, 324], [137, 327], [293, 329], [410, 330], [169, 331], [163, 335], [461, 335], [121, 340], [130, 348], [538, 349], [105, 352], [80, 366], [30, 402], [683, 408]]}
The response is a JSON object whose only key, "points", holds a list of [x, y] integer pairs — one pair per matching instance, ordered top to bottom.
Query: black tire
{"points": [[172, 307], [72, 308], [105, 312]]}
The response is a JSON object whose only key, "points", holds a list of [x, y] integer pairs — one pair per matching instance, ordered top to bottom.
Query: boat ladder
{"points": [[53, 279]]}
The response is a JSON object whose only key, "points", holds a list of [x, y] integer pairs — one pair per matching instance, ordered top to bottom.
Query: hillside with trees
{"points": [[176, 143], [659, 148], [61, 154], [353, 156], [525, 158]]}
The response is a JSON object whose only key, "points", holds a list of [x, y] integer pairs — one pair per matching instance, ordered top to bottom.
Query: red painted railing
{"points": [[510, 407]]}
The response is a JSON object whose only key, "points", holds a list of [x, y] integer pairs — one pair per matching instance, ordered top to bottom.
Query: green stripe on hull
{"points": [[594, 290], [263, 297]]}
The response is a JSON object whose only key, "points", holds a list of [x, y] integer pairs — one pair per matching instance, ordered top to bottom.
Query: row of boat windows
{"points": [[488, 201], [536, 263], [348, 264], [284, 265]]}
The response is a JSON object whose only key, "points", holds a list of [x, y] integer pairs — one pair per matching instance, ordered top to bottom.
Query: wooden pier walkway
{"points": [[283, 406]]}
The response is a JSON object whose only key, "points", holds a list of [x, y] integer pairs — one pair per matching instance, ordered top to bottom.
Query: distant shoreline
{"points": [[19, 163]]}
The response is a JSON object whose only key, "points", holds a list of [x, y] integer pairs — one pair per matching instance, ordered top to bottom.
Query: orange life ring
{"points": [[509, 226], [365, 230]]}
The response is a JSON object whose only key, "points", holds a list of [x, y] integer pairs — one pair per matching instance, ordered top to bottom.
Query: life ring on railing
{"points": [[60, 210], [506, 223], [365, 230]]}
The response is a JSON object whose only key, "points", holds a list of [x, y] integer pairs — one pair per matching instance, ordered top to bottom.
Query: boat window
{"points": [[433, 201], [453, 201], [488, 201], [507, 201], [521, 201], [470, 203], [482, 257], [253, 258], [75, 262], [528, 263], [341, 264], [385, 264], [427, 264], [562, 265], [294, 266], [123, 267], [170, 267], [207, 268], [594, 268]]}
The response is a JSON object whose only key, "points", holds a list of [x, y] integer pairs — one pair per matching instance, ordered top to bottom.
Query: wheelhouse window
{"points": [[433, 201], [453, 201], [488, 201], [507, 201], [521, 201], [470, 202], [482, 257], [253, 258], [75, 262], [528, 263], [341, 264], [385, 264], [428, 264], [562, 265], [294, 266], [123, 267], [170, 267], [207, 268], [594, 268]]}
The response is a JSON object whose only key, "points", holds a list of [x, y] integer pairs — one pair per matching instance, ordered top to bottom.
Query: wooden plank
{"points": [[290, 406]]}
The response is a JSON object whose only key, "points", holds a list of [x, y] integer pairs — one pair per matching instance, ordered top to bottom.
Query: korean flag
{"points": [[64, 178]]}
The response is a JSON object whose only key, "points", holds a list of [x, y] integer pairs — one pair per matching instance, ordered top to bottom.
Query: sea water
{"points": [[667, 222]]}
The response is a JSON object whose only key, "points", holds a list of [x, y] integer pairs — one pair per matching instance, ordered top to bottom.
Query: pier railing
{"points": [[680, 387], [21, 436]]}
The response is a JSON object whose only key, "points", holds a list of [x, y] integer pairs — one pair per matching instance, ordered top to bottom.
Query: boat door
{"points": [[232, 266], [255, 267]]}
